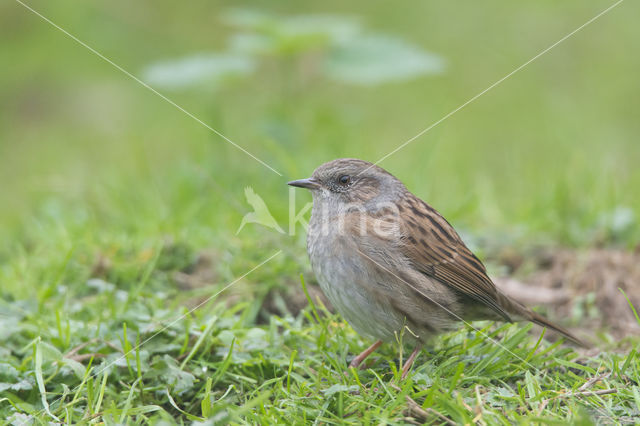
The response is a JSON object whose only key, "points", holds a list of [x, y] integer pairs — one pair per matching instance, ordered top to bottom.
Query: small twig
{"points": [[81, 346], [112, 346], [73, 353], [84, 357], [592, 381], [582, 391], [589, 393], [545, 402], [543, 405], [467, 406], [478, 407], [417, 411]]}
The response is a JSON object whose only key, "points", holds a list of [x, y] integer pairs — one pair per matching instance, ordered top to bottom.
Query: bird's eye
{"points": [[344, 179]]}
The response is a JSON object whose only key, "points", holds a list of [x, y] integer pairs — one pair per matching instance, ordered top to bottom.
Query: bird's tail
{"points": [[521, 312], [544, 322]]}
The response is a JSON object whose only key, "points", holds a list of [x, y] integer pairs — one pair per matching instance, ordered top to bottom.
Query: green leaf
{"points": [[333, 27], [375, 59], [205, 68], [204, 335], [571, 364], [7, 370], [40, 379], [180, 380], [24, 384], [340, 388], [187, 415]]}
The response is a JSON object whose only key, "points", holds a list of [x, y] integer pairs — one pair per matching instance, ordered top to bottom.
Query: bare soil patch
{"points": [[583, 286]]}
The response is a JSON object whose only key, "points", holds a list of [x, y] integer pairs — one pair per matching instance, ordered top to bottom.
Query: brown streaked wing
{"points": [[436, 250]]}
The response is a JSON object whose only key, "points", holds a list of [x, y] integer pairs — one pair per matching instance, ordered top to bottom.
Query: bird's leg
{"points": [[358, 360], [407, 365]]}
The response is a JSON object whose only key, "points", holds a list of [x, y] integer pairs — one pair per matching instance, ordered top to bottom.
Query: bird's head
{"points": [[348, 181]]}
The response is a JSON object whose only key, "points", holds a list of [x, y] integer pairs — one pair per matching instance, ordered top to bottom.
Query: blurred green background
{"points": [[550, 154], [120, 212]]}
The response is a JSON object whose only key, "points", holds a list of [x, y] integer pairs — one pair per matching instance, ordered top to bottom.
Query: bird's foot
{"points": [[357, 361], [407, 365]]}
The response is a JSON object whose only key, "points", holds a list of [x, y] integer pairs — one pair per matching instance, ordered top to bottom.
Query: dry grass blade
{"points": [[593, 381], [580, 393], [589, 393], [415, 410]]}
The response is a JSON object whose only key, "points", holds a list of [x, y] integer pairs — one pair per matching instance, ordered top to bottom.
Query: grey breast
{"points": [[347, 281]]}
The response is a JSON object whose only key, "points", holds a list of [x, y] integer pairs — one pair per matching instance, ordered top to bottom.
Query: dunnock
{"points": [[390, 263]]}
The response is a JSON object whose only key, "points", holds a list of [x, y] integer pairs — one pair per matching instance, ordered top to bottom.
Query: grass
{"points": [[119, 215], [133, 356]]}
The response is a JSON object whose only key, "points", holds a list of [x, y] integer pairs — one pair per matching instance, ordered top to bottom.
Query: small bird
{"points": [[260, 213], [391, 264]]}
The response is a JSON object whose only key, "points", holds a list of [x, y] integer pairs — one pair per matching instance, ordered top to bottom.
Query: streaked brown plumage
{"points": [[389, 262]]}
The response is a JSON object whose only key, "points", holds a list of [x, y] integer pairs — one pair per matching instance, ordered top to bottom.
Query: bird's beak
{"points": [[310, 183]]}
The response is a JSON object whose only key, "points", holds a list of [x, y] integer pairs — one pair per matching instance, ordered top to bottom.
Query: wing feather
{"points": [[435, 249]]}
